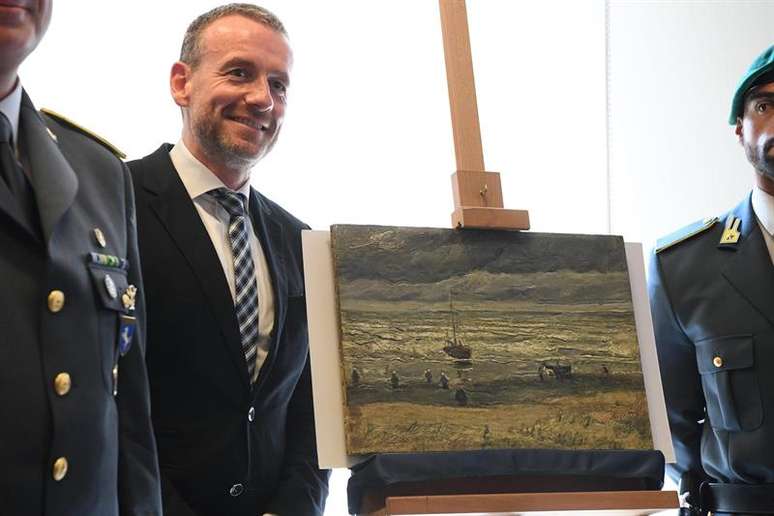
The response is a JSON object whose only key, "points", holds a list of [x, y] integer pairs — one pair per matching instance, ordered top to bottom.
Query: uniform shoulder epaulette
{"points": [[99, 139], [683, 234]]}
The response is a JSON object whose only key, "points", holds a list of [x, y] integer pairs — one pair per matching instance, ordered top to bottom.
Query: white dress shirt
{"points": [[198, 180], [763, 206]]}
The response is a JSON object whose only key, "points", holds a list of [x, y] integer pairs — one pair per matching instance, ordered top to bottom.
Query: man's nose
{"points": [[259, 96]]}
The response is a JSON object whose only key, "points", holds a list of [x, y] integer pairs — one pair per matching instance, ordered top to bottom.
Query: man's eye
{"points": [[237, 72], [279, 86], [761, 107]]}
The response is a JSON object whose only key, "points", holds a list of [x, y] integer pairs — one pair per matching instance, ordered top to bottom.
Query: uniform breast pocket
{"points": [[110, 286], [730, 382]]}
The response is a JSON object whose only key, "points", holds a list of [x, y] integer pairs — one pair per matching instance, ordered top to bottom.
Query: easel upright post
{"points": [[478, 199]]}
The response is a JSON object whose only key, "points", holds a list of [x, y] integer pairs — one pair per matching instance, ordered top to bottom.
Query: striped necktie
{"points": [[245, 285]]}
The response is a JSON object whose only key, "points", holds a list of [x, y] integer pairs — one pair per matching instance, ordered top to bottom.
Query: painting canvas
{"points": [[465, 340]]}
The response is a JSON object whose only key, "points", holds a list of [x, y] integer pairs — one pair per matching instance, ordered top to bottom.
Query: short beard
{"points": [[219, 149], [759, 158]]}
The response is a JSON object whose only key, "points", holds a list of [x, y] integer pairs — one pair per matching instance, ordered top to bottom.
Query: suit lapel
{"points": [[53, 179], [10, 207], [176, 212], [270, 235], [750, 269]]}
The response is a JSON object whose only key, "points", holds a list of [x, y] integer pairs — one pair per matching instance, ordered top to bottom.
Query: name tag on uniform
{"points": [[126, 329]]}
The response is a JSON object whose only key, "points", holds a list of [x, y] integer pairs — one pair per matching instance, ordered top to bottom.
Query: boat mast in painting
{"points": [[455, 347]]}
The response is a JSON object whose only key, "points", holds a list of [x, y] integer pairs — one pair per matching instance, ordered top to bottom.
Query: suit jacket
{"points": [[713, 315], [105, 439], [215, 460]]}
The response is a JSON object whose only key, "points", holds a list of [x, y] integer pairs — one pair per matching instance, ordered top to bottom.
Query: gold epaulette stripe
{"points": [[112, 148], [705, 225]]}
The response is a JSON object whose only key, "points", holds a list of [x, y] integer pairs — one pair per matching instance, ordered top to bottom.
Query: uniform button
{"points": [[55, 301], [717, 361], [62, 384], [251, 414], [60, 469], [236, 490]]}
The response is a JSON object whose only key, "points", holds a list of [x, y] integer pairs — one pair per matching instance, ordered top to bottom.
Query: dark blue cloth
{"points": [[380, 471]]}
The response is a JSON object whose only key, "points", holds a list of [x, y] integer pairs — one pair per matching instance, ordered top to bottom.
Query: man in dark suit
{"points": [[712, 297], [227, 334], [75, 437]]}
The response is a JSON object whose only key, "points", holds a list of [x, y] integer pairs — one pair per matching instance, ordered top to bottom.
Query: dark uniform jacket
{"points": [[713, 316], [104, 440], [225, 447]]}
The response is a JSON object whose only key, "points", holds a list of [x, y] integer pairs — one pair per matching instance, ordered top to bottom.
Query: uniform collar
{"points": [[10, 107], [196, 177], [763, 206]]}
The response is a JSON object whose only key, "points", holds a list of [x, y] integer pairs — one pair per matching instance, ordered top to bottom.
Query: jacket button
{"points": [[56, 301], [717, 361], [62, 384], [251, 414], [59, 469], [236, 490]]}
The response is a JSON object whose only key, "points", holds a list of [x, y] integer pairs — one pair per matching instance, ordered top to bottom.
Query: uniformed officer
{"points": [[712, 297], [75, 437]]}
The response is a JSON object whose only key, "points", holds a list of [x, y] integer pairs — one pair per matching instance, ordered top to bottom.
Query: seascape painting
{"points": [[468, 339]]}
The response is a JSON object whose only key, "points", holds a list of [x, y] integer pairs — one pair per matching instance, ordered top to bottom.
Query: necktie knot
{"points": [[5, 129], [232, 202]]}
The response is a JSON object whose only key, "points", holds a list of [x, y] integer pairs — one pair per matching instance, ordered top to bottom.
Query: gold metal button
{"points": [[56, 299], [717, 361], [62, 384], [60, 469]]}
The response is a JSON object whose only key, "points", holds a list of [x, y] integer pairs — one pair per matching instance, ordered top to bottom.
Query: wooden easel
{"points": [[478, 196], [478, 203]]}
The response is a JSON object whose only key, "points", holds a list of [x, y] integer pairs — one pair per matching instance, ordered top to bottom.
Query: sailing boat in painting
{"points": [[455, 347]]}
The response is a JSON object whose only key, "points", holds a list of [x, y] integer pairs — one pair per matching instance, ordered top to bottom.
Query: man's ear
{"points": [[180, 83], [738, 130]]}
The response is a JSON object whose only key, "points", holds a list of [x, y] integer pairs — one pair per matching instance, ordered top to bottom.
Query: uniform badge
{"points": [[731, 234], [99, 236], [108, 260], [110, 287], [128, 298], [126, 329]]}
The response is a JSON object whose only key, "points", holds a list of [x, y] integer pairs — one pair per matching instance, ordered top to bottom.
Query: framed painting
{"points": [[463, 340]]}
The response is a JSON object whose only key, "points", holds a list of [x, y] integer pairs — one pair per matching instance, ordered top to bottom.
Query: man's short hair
{"points": [[191, 51]]}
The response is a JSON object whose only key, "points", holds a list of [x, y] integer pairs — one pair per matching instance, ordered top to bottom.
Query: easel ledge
{"points": [[618, 503]]}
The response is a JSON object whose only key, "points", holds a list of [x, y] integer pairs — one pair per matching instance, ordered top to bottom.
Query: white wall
{"points": [[673, 69], [367, 138]]}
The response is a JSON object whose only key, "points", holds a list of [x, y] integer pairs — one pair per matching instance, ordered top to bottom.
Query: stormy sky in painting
{"points": [[435, 252]]}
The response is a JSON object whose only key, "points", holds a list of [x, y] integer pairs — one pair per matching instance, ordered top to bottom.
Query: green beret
{"points": [[762, 64]]}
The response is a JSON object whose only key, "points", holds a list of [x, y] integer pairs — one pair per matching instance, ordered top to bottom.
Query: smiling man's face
{"points": [[234, 97]]}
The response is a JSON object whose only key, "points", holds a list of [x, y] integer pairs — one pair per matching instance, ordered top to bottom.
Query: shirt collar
{"points": [[10, 107], [196, 177], [763, 206]]}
